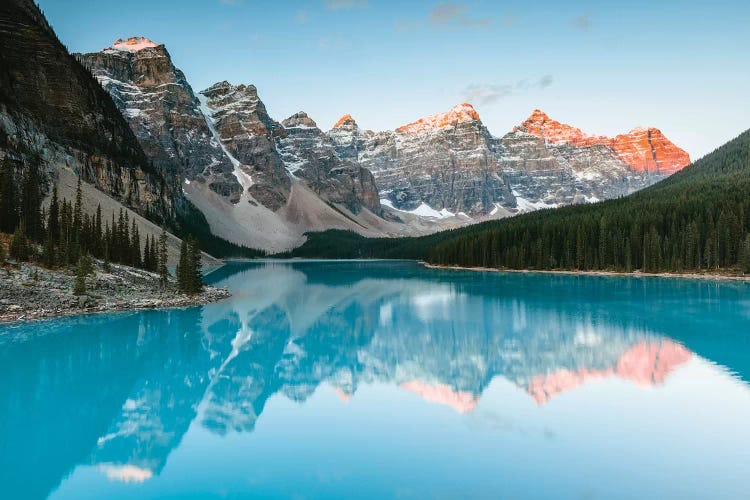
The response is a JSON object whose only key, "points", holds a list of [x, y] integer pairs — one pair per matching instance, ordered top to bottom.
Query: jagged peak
{"points": [[132, 44], [224, 87], [460, 113], [538, 114], [299, 120], [345, 121], [540, 124], [641, 130], [643, 148]]}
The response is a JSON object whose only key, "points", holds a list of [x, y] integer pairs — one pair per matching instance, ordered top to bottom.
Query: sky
{"points": [[605, 67]]}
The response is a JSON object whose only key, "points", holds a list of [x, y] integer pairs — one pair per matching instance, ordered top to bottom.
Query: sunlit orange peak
{"points": [[133, 44], [459, 113], [346, 119], [644, 149]]}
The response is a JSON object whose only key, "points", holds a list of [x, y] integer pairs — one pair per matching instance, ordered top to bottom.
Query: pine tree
{"points": [[31, 203], [8, 209], [78, 210], [53, 217], [97, 237], [19, 245], [135, 246], [745, 252], [49, 256], [153, 264], [163, 271], [183, 271], [195, 276], [79, 285]]}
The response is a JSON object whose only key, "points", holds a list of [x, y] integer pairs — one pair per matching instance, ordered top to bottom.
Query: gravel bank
{"points": [[30, 292]]}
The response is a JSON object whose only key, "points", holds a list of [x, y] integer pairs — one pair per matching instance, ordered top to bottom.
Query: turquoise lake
{"points": [[388, 380]]}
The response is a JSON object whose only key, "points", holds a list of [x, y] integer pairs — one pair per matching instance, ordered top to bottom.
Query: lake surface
{"points": [[383, 380]]}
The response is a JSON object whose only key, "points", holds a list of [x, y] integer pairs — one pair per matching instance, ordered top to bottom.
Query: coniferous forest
{"points": [[698, 219], [695, 220], [63, 235]]}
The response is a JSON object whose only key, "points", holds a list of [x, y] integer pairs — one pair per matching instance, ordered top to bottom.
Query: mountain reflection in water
{"points": [[120, 392]]}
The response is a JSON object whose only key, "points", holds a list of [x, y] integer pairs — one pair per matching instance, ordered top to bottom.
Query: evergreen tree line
{"points": [[699, 219], [66, 233], [189, 276]]}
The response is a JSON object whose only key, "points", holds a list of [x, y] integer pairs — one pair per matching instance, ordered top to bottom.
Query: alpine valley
{"points": [[215, 164], [264, 184]]}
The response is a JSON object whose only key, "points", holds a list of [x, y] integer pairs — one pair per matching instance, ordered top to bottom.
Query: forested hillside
{"points": [[698, 219]]}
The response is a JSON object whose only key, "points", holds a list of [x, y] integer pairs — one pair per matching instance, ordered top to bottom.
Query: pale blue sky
{"points": [[606, 67]]}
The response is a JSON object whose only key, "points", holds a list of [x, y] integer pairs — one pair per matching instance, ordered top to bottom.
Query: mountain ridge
{"points": [[438, 172]]}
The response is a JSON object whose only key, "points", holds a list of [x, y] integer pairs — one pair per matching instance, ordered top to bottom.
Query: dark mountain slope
{"points": [[54, 113]]}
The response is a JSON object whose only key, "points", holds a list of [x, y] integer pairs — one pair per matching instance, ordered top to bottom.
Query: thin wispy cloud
{"points": [[231, 2], [345, 4], [455, 14], [582, 22], [483, 94]]}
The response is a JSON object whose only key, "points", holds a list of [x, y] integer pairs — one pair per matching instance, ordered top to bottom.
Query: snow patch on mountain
{"points": [[132, 44], [243, 178], [423, 210]]}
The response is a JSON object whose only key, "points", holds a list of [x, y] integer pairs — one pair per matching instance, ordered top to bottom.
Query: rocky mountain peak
{"points": [[132, 44], [224, 89], [162, 110], [461, 113], [299, 120], [346, 122], [541, 125], [644, 149]]}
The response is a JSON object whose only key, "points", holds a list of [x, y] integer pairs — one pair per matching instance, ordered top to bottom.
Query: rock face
{"points": [[53, 113], [164, 113], [247, 133], [643, 149], [270, 153], [310, 154], [445, 161], [451, 163], [444, 169], [547, 174]]}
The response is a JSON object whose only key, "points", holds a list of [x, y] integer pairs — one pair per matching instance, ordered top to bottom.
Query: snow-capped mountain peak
{"points": [[132, 44], [459, 113], [300, 120]]}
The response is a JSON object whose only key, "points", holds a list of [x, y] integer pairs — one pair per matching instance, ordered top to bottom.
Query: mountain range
{"points": [[216, 164], [264, 183]]}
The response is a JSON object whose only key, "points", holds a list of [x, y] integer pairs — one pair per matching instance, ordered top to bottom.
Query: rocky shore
{"points": [[30, 292]]}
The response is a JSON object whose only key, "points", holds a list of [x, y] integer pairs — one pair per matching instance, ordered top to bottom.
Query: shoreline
{"points": [[637, 274], [29, 292], [208, 296]]}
